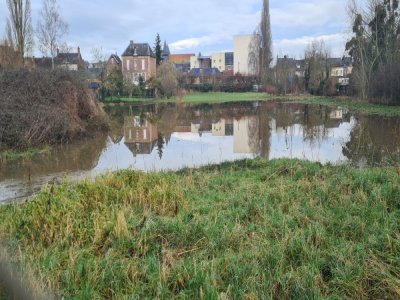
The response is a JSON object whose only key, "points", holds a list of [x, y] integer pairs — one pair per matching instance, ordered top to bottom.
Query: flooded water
{"points": [[170, 137]]}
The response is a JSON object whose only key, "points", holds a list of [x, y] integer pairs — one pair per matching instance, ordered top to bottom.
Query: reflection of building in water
{"points": [[336, 114], [183, 128], [195, 128], [223, 128], [140, 135], [246, 135]]}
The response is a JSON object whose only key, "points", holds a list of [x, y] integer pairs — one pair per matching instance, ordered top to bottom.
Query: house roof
{"points": [[136, 49], [166, 51], [68, 58], [116, 58], [180, 58], [340, 62], [297, 64], [204, 71], [141, 148]]}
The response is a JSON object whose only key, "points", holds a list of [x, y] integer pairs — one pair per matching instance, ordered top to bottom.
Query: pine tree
{"points": [[158, 50]]}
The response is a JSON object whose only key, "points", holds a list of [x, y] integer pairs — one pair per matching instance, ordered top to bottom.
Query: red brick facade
{"points": [[138, 60]]}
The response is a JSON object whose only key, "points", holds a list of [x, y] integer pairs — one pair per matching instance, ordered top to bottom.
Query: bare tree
{"points": [[19, 26], [50, 29], [260, 49], [97, 55], [317, 67], [167, 75]]}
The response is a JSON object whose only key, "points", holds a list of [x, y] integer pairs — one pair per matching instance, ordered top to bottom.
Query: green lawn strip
{"points": [[220, 97], [224, 97], [127, 100], [364, 107], [284, 229]]}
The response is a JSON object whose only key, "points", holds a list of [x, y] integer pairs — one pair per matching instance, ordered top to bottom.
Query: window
{"points": [[143, 64], [128, 65], [145, 134]]}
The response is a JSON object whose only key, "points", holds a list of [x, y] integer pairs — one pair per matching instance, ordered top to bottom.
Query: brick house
{"points": [[138, 60], [114, 62], [140, 135]]}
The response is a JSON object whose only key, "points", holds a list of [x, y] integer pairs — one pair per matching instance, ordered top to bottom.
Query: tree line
{"points": [[19, 32], [375, 49]]}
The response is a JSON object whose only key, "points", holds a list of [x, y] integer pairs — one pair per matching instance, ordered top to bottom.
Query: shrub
{"points": [[38, 107]]}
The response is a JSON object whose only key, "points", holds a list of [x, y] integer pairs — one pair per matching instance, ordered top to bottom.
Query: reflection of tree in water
{"points": [[315, 121], [259, 132], [374, 140], [160, 145], [81, 156]]}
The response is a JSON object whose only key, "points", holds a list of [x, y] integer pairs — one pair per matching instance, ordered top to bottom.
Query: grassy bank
{"points": [[219, 97], [354, 104], [12, 155], [283, 229]]}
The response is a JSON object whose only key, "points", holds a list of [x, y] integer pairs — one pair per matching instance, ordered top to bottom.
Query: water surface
{"points": [[170, 137]]}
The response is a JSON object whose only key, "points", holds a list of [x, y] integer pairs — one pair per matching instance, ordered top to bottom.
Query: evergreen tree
{"points": [[158, 50]]}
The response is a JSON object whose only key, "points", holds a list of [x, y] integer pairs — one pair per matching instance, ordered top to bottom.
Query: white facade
{"points": [[241, 46], [218, 61], [194, 62], [218, 129], [245, 135]]}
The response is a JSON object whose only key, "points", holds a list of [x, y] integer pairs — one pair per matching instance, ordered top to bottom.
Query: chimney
{"points": [[131, 44], [79, 50]]}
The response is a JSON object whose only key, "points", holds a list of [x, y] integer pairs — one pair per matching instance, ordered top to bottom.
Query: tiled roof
{"points": [[136, 49], [166, 51], [68, 58], [116, 58], [180, 58], [340, 62], [204, 71]]}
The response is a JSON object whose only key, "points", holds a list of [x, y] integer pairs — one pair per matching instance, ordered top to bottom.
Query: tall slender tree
{"points": [[19, 26], [50, 29], [266, 42], [260, 49], [158, 50]]}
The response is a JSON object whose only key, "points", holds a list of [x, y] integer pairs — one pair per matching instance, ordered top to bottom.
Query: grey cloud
{"points": [[190, 26]]}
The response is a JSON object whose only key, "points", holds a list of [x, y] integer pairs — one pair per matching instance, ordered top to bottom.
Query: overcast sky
{"points": [[204, 26]]}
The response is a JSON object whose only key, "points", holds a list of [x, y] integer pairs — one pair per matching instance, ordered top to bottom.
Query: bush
{"points": [[38, 107]]}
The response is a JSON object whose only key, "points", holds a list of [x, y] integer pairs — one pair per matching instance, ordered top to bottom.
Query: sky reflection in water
{"points": [[170, 137]]}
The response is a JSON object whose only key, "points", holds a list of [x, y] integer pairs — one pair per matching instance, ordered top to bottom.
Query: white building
{"points": [[241, 49]]}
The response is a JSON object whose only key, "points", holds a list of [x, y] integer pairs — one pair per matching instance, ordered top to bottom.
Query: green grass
{"points": [[220, 97], [126, 100], [357, 105], [13, 155], [253, 229]]}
